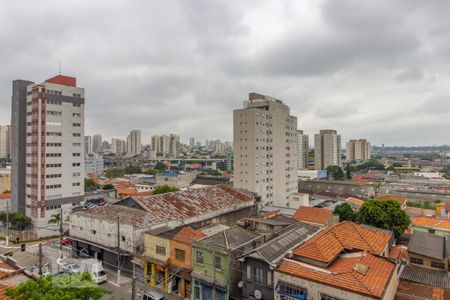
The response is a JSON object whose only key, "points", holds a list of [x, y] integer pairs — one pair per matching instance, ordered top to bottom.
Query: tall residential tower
{"points": [[50, 116], [265, 149], [327, 149], [302, 150], [358, 150]]}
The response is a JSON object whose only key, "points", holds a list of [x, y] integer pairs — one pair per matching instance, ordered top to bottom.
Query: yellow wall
{"points": [[5, 182], [150, 243]]}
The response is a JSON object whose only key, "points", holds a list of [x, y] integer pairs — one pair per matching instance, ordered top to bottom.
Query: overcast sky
{"points": [[369, 69]]}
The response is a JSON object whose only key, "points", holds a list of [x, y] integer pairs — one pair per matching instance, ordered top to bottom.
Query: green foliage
{"points": [[372, 164], [160, 166], [132, 169], [336, 172], [348, 172], [114, 173], [214, 173], [90, 185], [108, 186], [164, 189], [6, 192], [345, 212], [385, 214], [55, 219], [16, 220], [65, 287]]}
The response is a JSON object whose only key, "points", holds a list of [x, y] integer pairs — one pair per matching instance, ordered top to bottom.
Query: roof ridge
{"points": [[356, 229], [362, 283]]}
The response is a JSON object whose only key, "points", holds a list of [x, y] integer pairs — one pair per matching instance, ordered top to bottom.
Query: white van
{"points": [[95, 268]]}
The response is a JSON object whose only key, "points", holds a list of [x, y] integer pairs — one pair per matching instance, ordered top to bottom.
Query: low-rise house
{"points": [[177, 180], [401, 200], [355, 203], [315, 216], [268, 224], [438, 226], [101, 231], [428, 250], [342, 261], [258, 264], [216, 270], [425, 276]]}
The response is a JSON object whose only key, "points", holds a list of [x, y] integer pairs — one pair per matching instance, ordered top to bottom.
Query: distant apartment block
{"points": [[5, 141], [134, 142], [97, 143], [88, 144], [166, 145], [48, 146], [118, 146], [265, 149], [327, 149], [302, 150], [358, 150], [93, 164]]}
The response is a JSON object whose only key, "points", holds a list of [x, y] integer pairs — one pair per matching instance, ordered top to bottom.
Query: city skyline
{"points": [[331, 72]]}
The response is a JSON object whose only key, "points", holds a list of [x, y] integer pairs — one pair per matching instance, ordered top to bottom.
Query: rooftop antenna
{"points": [[59, 67]]}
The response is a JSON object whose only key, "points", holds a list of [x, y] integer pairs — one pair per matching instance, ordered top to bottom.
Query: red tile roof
{"points": [[5, 196], [399, 199], [354, 201], [315, 215], [437, 223], [187, 235], [333, 240], [399, 252], [343, 273], [3, 289], [410, 290]]}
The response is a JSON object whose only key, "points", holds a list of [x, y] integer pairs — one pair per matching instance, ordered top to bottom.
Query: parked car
{"points": [[66, 241], [152, 295]]}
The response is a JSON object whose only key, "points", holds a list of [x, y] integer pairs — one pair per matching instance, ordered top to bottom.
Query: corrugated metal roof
{"points": [[230, 238], [427, 244], [426, 276]]}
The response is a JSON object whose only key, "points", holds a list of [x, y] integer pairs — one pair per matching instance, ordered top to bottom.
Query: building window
{"points": [[76, 124], [93, 231], [433, 231], [123, 238], [161, 250], [180, 255], [200, 259], [417, 261], [217, 262], [437, 265], [249, 273], [258, 275], [289, 289], [196, 293], [328, 297]]}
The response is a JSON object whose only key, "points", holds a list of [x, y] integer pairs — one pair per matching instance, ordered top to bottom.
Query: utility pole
{"points": [[7, 224], [60, 233], [118, 251], [40, 259], [133, 283]]}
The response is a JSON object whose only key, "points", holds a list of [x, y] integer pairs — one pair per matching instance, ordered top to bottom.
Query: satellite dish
{"points": [[240, 284], [258, 294]]}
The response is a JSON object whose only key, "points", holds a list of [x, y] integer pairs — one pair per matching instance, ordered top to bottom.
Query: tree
{"points": [[371, 164], [160, 166], [132, 169], [153, 171], [114, 172], [335, 172], [348, 172], [90, 185], [108, 186], [164, 189], [6, 192], [345, 212], [385, 214], [55, 219], [16, 220], [67, 286]]}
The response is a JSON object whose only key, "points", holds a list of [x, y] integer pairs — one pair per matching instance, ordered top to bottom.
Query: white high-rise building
{"points": [[5, 141], [97, 143], [134, 143], [88, 144], [164, 144], [117, 146], [265, 149], [327, 149], [302, 150], [358, 150], [53, 156], [93, 165]]}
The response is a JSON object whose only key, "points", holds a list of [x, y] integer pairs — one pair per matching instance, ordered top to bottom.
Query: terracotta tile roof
{"points": [[127, 191], [142, 194], [5, 196], [399, 199], [354, 201], [192, 203], [181, 206], [126, 215], [315, 215], [437, 223], [187, 235], [333, 240], [399, 252], [343, 273], [3, 289], [410, 290]]}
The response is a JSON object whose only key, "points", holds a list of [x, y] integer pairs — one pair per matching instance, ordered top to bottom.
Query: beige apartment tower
{"points": [[265, 149], [327, 149], [358, 150]]}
